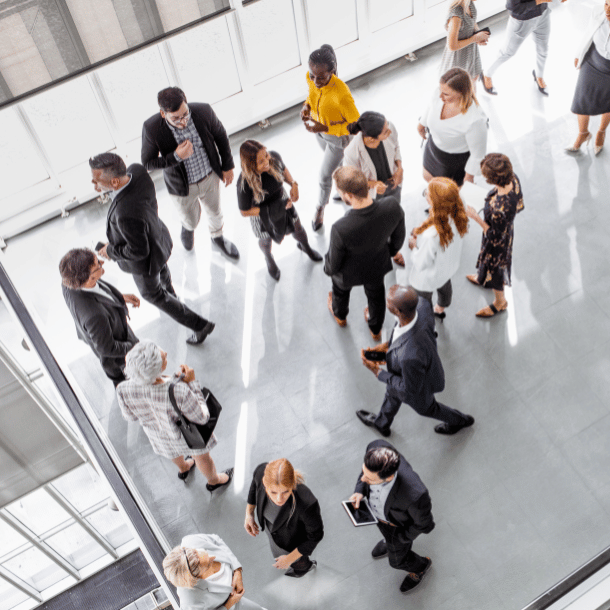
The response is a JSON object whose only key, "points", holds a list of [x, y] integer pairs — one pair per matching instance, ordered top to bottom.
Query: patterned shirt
{"points": [[198, 164], [378, 496]]}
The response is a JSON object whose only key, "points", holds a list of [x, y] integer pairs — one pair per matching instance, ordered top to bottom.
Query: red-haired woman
{"points": [[261, 196], [501, 206], [437, 243], [289, 512]]}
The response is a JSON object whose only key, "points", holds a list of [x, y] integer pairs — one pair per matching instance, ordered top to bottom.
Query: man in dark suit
{"points": [[190, 145], [139, 241], [362, 245], [99, 310], [415, 372], [401, 503]]}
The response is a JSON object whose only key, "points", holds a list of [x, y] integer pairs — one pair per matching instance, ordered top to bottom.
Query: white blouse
{"points": [[601, 39], [462, 133], [433, 266]]}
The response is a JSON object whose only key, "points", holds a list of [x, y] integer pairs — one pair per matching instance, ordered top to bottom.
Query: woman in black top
{"points": [[261, 196], [289, 512]]}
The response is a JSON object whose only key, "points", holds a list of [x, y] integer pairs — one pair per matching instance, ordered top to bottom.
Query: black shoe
{"points": [[541, 89], [491, 91], [318, 219], [187, 238], [226, 247], [313, 254], [274, 270], [440, 315], [199, 336], [368, 419], [446, 429], [228, 472], [183, 475], [380, 550], [428, 566], [294, 574]]}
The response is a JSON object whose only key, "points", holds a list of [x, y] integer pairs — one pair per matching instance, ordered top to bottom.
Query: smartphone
{"points": [[485, 30], [374, 356]]}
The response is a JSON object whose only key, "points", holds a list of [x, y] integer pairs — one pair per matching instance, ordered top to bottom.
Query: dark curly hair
{"points": [[170, 99], [497, 169], [75, 267], [383, 461]]}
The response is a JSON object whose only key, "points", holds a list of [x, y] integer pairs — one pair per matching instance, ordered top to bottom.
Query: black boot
{"points": [[303, 242]]}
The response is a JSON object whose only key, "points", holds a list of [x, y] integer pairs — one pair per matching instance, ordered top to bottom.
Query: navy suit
{"points": [[415, 373]]}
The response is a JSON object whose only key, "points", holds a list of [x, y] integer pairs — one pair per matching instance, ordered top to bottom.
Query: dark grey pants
{"points": [[445, 294]]}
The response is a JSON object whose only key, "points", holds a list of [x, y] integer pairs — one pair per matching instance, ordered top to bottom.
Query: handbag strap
{"points": [[172, 399]]}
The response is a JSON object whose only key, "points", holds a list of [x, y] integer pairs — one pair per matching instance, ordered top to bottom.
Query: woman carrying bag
{"points": [[145, 398]]}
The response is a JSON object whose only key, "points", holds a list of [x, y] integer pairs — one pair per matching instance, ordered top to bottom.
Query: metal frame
{"points": [[20, 584]]}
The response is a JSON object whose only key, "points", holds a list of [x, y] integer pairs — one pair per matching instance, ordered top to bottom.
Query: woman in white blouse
{"points": [[592, 94], [457, 130], [437, 243]]}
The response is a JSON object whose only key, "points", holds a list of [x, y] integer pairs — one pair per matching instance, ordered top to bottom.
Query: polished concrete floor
{"points": [[523, 497]]}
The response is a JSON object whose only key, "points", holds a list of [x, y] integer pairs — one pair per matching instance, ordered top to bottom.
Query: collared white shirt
{"points": [[601, 39], [113, 194], [97, 289], [401, 330], [378, 496]]}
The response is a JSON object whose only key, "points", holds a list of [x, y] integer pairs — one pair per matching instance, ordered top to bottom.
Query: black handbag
{"points": [[196, 436]]}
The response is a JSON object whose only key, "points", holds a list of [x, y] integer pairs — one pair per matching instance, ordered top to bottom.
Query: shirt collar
{"points": [[113, 194], [401, 330]]}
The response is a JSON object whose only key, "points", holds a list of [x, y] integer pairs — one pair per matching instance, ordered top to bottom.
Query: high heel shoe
{"points": [[541, 89], [491, 90], [574, 149], [598, 149], [318, 219], [229, 473], [184, 475]]}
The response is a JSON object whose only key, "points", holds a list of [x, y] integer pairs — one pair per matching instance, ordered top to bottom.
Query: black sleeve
{"points": [[221, 140], [151, 155], [279, 161], [245, 196], [397, 239], [137, 247], [335, 257], [99, 331], [254, 484], [361, 488], [421, 514], [312, 520]]}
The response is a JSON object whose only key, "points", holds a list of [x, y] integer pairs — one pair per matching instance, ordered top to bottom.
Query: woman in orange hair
{"points": [[437, 245], [289, 512]]}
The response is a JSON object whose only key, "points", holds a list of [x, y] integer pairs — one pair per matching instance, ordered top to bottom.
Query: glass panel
{"points": [[387, 12], [175, 14], [333, 23], [271, 39], [206, 50], [132, 85], [70, 123], [21, 166], [82, 488], [38, 512], [111, 525], [9, 539], [76, 545], [35, 568], [10, 596]]}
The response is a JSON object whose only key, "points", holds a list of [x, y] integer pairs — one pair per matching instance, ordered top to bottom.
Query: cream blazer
{"points": [[596, 19]]}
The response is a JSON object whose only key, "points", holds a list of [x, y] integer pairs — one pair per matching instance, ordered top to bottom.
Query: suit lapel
{"points": [[110, 299], [401, 340]]}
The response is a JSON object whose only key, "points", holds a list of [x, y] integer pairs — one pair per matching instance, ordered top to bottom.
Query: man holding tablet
{"points": [[401, 503]]}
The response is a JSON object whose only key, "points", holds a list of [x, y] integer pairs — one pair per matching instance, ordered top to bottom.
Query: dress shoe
{"points": [[541, 89], [489, 90], [586, 141], [318, 219], [187, 238], [226, 247], [314, 255], [272, 268], [329, 302], [441, 315], [199, 336], [376, 337], [368, 419], [446, 429], [229, 473], [183, 475], [380, 550], [428, 566], [294, 574], [413, 579]]}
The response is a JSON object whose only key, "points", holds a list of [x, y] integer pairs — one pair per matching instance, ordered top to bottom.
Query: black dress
{"points": [[592, 93], [274, 220]]}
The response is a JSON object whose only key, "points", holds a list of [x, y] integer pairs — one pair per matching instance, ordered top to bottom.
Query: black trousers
{"points": [[158, 290], [375, 293], [445, 294], [114, 367], [436, 410], [400, 555], [302, 564]]}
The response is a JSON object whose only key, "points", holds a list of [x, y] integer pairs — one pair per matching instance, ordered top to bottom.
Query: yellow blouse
{"points": [[331, 104]]}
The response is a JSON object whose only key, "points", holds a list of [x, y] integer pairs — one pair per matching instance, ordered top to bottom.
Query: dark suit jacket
{"points": [[525, 9], [159, 144], [137, 238], [363, 242], [100, 323], [415, 372], [408, 506], [301, 530]]}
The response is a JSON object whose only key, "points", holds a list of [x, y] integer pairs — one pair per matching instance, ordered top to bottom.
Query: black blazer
{"points": [[525, 9], [159, 144], [137, 238], [363, 242], [100, 323], [414, 369], [408, 506], [302, 529]]}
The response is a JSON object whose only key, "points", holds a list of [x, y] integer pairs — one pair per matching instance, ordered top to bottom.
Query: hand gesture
{"points": [[481, 38], [305, 112], [314, 126], [421, 130], [184, 149], [227, 177], [397, 177], [380, 187], [294, 192], [289, 204], [471, 212], [412, 242], [103, 252], [132, 299], [382, 347], [371, 366], [188, 372], [355, 499], [251, 526], [282, 562], [238, 583]]}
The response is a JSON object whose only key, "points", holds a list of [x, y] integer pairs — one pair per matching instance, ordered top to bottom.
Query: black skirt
{"points": [[592, 94], [442, 164]]}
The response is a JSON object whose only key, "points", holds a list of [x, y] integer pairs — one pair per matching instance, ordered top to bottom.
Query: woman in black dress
{"points": [[261, 196], [501, 205]]}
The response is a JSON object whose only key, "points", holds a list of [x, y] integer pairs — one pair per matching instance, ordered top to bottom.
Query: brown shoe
{"points": [[399, 259], [473, 278], [490, 311], [339, 321], [376, 337]]}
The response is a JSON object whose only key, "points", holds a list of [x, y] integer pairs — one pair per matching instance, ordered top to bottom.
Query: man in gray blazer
{"points": [[414, 370]]}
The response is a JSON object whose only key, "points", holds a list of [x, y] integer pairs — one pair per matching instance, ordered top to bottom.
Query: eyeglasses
{"points": [[182, 119]]}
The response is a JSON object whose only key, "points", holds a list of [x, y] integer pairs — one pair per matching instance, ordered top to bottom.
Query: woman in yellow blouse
{"points": [[327, 111]]}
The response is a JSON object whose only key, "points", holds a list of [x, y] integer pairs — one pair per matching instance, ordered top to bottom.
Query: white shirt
{"points": [[601, 39], [462, 133], [97, 289], [401, 330], [378, 495], [224, 576]]}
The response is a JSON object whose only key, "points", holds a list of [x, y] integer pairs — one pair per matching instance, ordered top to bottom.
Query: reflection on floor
{"points": [[519, 500]]}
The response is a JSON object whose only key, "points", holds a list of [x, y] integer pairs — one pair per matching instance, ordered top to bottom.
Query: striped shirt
{"points": [[198, 164]]}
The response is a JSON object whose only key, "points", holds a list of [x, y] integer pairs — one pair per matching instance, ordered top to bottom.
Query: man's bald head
{"points": [[351, 181], [402, 301]]}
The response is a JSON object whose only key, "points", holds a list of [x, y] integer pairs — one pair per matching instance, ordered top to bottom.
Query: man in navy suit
{"points": [[414, 370], [401, 503]]}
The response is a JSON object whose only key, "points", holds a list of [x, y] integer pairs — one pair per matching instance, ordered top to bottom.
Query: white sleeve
{"points": [[394, 136], [476, 138], [351, 154], [424, 254]]}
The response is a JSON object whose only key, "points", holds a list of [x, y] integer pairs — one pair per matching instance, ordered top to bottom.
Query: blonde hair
{"points": [[463, 3], [459, 80], [248, 153], [281, 472], [182, 567]]}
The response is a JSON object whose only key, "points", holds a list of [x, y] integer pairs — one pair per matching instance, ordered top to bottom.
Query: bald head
{"points": [[351, 181], [402, 301]]}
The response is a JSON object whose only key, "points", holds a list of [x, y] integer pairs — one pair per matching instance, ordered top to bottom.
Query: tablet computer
{"points": [[362, 515]]}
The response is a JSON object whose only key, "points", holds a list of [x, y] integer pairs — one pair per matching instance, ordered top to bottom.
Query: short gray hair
{"points": [[143, 363]]}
